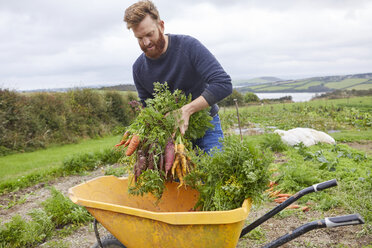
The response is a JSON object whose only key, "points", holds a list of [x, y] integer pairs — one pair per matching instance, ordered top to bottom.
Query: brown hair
{"points": [[135, 13]]}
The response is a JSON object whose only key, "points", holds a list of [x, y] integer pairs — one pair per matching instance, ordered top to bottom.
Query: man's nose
{"points": [[146, 41]]}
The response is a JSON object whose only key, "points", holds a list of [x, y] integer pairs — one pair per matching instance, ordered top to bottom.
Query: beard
{"points": [[159, 45]]}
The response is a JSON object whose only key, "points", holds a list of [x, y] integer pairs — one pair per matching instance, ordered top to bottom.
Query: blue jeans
{"points": [[212, 137]]}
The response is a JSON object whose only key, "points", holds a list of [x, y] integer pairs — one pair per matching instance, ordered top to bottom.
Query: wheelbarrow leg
{"points": [[353, 219], [97, 234], [108, 241]]}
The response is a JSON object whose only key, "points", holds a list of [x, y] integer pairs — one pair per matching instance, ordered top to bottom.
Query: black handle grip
{"points": [[325, 185], [346, 220]]}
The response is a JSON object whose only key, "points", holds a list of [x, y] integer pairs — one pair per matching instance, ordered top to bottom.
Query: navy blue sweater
{"points": [[187, 65]]}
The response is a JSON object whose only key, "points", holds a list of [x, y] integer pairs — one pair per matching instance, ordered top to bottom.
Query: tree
{"points": [[251, 97], [229, 101]]}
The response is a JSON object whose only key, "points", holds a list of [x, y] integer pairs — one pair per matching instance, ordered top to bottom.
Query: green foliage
{"points": [[251, 97], [229, 101], [118, 108], [320, 115], [38, 120], [152, 124], [274, 143], [90, 161], [311, 165], [116, 171], [228, 177], [29, 180], [150, 181], [63, 211], [57, 212], [11, 233], [19, 233], [257, 234]]}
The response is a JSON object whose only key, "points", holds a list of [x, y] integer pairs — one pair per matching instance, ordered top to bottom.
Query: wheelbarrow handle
{"points": [[323, 185], [289, 201], [353, 219], [346, 220]]}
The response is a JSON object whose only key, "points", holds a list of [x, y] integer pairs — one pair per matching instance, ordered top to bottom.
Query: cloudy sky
{"points": [[74, 43]]}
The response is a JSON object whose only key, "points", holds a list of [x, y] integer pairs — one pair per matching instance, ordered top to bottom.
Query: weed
{"points": [[274, 143], [90, 161], [116, 171], [63, 211], [19, 233], [257, 234], [56, 244]]}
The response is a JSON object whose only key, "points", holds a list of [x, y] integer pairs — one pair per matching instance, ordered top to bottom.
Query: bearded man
{"points": [[181, 61]]}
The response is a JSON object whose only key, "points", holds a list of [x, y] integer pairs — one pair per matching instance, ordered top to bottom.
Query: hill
{"points": [[255, 81], [314, 84], [120, 87]]}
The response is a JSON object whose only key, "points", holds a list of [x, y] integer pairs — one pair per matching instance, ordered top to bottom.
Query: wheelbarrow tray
{"points": [[142, 221]]}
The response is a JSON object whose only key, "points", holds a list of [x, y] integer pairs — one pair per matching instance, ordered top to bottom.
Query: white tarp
{"points": [[307, 136]]}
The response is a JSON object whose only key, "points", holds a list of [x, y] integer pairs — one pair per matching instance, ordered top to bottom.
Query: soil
{"points": [[365, 146], [84, 237]]}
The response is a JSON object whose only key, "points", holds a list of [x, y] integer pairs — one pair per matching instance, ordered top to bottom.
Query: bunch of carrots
{"points": [[173, 160], [282, 197]]}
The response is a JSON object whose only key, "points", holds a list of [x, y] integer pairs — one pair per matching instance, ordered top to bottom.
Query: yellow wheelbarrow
{"points": [[140, 221]]}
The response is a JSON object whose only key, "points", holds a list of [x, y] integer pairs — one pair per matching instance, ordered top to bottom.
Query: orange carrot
{"points": [[123, 139], [127, 142], [133, 145], [179, 175], [271, 184], [269, 189], [275, 193], [284, 195], [280, 200], [293, 206], [305, 209]]}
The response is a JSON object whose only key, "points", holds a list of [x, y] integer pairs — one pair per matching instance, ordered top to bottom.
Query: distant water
{"points": [[296, 97]]}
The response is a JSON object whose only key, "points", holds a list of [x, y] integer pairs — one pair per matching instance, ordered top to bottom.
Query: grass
{"points": [[346, 83], [308, 84], [363, 86], [340, 114], [352, 136], [22, 164], [310, 165]]}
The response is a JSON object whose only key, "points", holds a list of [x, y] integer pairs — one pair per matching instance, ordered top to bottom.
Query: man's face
{"points": [[149, 34]]}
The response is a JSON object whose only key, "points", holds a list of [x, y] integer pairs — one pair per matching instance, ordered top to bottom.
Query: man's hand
{"points": [[186, 111]]}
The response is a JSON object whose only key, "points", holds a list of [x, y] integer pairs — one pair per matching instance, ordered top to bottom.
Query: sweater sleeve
{"points": [[218, 81]]}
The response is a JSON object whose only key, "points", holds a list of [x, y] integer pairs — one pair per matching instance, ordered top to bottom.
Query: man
{"points": [[181, 61]]}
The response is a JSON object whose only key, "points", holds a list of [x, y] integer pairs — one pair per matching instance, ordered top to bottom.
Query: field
{"points": [[317, 84], [349, 121]]}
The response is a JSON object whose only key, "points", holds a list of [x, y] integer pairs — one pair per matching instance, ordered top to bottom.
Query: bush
{"points": [[251, 97], [33, 121]]}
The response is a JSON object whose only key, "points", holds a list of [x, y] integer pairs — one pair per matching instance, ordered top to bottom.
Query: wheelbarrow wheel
{"points": [[109, 241]]}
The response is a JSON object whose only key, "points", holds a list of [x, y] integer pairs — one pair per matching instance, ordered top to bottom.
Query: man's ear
{"points": [[161, 25]]}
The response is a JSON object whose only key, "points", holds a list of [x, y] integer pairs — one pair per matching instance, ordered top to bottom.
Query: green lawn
{"points": [[16, 165]]}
